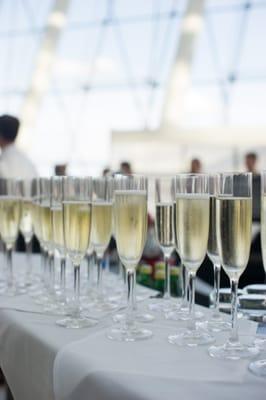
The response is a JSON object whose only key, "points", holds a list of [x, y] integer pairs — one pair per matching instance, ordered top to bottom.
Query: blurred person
{"points": [[251, 160], [13, 162], [195, 166], [125, 168], [60, 169], [106, 172]]}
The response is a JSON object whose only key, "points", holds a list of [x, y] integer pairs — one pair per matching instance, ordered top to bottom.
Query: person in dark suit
{"points": [[251, 160], [195, 166]]}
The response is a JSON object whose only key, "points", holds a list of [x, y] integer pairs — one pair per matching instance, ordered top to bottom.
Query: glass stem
{"points": [[28, 256], [88, 259], [107, 262], [90, 264], [42, 265], [9, 267], [45, 267], [51, 273], [63, 275], [99, 275], [217, 275], [191, 285], [184, 286], [76, 289], [135, 292], [167, 293], [130, 296], [234, 331]]}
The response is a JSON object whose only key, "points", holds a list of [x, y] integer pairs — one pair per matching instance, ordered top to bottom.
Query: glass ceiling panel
{"points": [[113, 62]]}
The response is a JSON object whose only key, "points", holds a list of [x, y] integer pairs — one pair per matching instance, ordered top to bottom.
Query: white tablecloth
{"points": [[45, 362]]}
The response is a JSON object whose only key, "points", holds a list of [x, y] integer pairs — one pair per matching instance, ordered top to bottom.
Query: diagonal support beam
{"points": [[42, 73], [180, 75]]}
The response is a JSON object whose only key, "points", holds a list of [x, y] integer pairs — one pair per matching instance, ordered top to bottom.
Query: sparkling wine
{"points": [[130, 212], [10, 214], [36, 220], [234, 221], [26, 222], [46, 224], [101, 225], [57, 226], [165, 226], [192, 228], [77, 229], [212, 251]]}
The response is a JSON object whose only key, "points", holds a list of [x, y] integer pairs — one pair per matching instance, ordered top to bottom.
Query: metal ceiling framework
{"points": [[42, 72], [180, 74], [153, 81]]}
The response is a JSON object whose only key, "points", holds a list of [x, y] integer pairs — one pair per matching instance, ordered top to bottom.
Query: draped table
{"points": [[43, 361]]}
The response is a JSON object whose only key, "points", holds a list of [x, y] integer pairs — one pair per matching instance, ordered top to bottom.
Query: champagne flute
{"points": [[77, 196], [102, 210], [10, 214], [45, 215], [130, 217], [234, 221], [26, 223], [164, 223], [192, 227], [58, 237], [88, 286], [40, 292], [182, 310], [216, 323], [258, 367]]}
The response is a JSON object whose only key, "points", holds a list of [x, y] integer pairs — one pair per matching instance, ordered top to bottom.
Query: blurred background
{"points": [[155, 82]]}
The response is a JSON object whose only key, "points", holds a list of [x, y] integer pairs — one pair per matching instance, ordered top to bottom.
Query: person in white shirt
{"points": [[13, 162]]}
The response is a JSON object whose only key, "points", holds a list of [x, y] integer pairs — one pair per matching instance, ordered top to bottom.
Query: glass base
{"points": [[13, 291], [36, 292], [43, 298], [102, 305], [163, 305], [56, 309], [182, 314], [140, 317], [78, 322], [216, 324], [128, 333], [191, 338], [260, 342], [233, 351], [258, 368]]}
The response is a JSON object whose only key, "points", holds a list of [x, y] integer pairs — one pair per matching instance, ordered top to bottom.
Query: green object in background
{"points": [[159, 266], [144, 276], [159, 280], [175, 282]]}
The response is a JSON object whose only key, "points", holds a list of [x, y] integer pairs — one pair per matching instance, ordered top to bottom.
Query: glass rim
{"points": [[230, 173], [191, 174], [119, 175], [73, 176], [163, 177], [102, 178]]}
